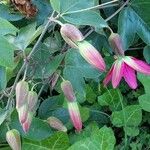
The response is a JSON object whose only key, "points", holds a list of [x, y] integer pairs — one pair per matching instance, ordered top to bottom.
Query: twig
{"points": [[91, 8], [116, 12], [29, 56]]}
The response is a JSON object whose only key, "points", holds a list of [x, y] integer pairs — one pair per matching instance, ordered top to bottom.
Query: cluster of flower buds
{"points": [[75, 39], [124, 66], [25, 104], [72, 105], [56, 124], [13, 139]]}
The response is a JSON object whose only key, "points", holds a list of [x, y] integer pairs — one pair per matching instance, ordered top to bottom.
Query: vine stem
{"points": [[91, 8], [116, 12], [28, 57]]}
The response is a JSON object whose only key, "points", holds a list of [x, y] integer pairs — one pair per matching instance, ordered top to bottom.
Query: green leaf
{"points": [[62, 6], [142, 8], [90, 18], [130, 24], [6, 27], [27, 35], [6, 53], [146, 54], [76, 68], [3, 80], [145, 80], [111, 98], [144, 102], [3, 115], [129, 116], [39, 129], [132, 131], [102, 140], [58, 141]]}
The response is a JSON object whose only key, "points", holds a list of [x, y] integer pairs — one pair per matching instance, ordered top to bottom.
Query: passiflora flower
{"points": [[91, 55], [125, 67], [56, 124], [13, 139]]}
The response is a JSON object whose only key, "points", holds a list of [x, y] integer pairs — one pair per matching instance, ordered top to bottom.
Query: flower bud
{"points": [[71, 34], [116, 43], [91, 55], [54, 79], [22, 89], [68, 90], [32, 100], [23, 113], [75, 115], [56, 124], [26, 125], [13, 139]]}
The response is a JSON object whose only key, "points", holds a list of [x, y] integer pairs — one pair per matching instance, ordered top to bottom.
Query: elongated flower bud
{"points": [[71, 34], [116, 43], [91, 55], [54, 79], [22, 89], [68, 90], [32, 100], [23, 113], [75, 115], [56, 124], [26, 125], [13, 139]]}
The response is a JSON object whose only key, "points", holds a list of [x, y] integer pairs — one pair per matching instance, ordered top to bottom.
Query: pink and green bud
{"points": [[71, 34], [115, 42], [91, 55], [54, 80], [67, 89], [22, 90], [32, 100], [23, 113], [75, 115], [56, 124], [26, 125], [13, 139]]}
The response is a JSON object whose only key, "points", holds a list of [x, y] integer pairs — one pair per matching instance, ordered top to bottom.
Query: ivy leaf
{"points": [[130, 24], [6, 27], [6, 53], [146, 53], [76, 69], [3, 80], [111, 98], [144, 102], [3, 115], [129, 116], [104, 139], [58, 141]]}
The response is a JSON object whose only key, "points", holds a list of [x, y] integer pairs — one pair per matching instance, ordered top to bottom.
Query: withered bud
{"points": [[71, 34], [115, 42], [22, 90], [68, 90], [56, 124], [13, 139]]}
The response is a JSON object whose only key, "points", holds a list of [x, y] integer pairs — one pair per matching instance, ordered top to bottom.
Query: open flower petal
{"points": [[129, 76]]}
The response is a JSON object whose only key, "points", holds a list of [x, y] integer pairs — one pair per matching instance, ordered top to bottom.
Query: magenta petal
{"points": [[138, 65], [117, 73], [108, 76], [129, 76]]}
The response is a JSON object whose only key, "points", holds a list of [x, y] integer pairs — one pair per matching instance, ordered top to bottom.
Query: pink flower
{"points": [[91, 55], [125, 66], [75, 115], [26, 125]]}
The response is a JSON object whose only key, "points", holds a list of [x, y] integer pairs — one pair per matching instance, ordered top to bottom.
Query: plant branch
{"points": [[91, 8], [116, 12], [28, 57]]}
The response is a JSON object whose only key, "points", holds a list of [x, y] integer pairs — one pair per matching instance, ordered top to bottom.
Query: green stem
{"points": [[90, 8]]}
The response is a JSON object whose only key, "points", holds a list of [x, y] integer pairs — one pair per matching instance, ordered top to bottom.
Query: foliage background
{"points": [[112, 118]]}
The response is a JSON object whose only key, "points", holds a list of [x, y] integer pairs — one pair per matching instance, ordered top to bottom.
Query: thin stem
{"points": [[91, 8], [116, 12], [29, 56], [41, 90], [124, 118]]}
